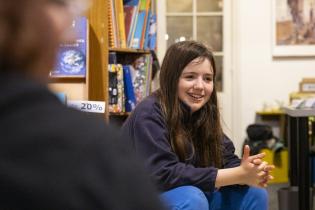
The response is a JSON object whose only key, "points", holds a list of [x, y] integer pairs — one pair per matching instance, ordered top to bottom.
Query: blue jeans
{"points": [[227, 198]]}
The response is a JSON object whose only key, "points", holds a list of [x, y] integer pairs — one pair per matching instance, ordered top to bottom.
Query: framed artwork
{"points": [[293, 27]]}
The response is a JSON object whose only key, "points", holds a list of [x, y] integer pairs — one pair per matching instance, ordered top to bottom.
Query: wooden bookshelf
{"points": [[129, 50], [98, 52], [95, 85]]}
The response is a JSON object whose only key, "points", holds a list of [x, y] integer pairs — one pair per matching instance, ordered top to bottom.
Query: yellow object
{"points": [[300, 95], [280, 161]]}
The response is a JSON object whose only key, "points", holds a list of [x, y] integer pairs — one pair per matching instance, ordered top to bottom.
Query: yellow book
{"points": [[119, 8]]}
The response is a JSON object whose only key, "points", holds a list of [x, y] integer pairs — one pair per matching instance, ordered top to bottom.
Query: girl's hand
{"points": [[267, 168], [253, 169], [267, 177]]}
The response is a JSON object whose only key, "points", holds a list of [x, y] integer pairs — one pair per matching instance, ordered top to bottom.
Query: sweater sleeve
{"points": [[150, 139], [230, 159]]}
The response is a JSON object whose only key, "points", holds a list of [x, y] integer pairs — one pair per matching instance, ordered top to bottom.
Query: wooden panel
{"points": [[98, 52], [74, 91]]}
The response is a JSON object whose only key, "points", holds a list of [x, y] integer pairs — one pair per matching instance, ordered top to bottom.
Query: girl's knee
{"points": [[258, 194], [186, 198], [197, 199]]}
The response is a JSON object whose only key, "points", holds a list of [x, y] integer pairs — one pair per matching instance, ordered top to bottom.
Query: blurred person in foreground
{"points": [[53, 157]]}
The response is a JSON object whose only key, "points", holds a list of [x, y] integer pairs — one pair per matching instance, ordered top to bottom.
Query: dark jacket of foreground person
{"points": [[53, 157]]}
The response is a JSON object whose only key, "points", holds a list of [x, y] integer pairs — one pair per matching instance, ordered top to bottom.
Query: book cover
{"points": [[131, 2], [135, 4], [145, 6], [129, 12], [120, 20], [147, 30], [152, 33], [135, 42], [72, 57], [141, 72], [112, 87], [116, 88], [120, 88], [130, 100]]}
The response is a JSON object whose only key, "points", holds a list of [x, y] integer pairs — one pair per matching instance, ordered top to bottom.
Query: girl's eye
{"points": [[189, 76], [208, 79]]}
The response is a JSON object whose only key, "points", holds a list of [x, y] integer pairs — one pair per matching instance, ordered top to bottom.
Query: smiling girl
{"points": [[177, 131]]}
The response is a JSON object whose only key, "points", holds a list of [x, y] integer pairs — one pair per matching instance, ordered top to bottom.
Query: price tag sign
{"points": [[87, 106]]}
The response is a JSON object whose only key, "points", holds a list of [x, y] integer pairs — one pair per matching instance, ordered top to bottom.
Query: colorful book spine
{"points": [[135, 5], [145, 6], [120, 21], [152, 33], [146, 38], [135, 43], [120, 87], [112, 88], [116, 88], [130, 100]]}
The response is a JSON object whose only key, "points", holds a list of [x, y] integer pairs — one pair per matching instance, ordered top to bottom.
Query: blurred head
{"points": [[30, 33]]}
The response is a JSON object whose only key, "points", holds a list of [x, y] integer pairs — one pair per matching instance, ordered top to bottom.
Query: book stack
{"points": [[132, 24], [128, 84]]}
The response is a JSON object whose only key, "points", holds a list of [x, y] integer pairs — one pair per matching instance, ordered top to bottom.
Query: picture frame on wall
{"points": [[293, 32]]}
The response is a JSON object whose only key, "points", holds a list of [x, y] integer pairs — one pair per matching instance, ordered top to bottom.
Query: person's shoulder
{"points": [[148, 102], [149, 106], [148, 110]]}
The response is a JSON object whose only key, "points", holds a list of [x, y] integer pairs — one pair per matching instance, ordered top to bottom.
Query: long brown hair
{"points": [[28, 39], [203, 130]]}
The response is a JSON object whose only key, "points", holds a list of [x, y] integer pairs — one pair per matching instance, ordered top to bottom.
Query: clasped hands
{"points": [[256, 171]]}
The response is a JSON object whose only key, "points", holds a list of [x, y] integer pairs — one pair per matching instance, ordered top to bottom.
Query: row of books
{"points": [[132, 24], [129, 84]]}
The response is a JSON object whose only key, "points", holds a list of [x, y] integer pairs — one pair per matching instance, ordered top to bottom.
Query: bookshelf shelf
{"points": [[129, 50], [67, 79], [120, 114]]}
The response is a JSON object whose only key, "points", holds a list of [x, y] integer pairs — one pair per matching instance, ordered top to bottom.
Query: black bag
{"points": [[260, 136]]}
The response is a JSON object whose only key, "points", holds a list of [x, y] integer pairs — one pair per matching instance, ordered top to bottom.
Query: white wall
{"points": [[258, 78]]}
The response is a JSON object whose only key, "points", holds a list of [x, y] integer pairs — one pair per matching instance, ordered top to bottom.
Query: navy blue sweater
{"points": [[149, 137]]}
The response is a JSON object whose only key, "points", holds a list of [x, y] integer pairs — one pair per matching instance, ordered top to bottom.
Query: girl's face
{"points": [[195, 84]]}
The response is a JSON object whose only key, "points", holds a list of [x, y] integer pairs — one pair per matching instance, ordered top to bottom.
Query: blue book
{"points": [[131, 2], [152, 33], [146, 38], [135, 42], [72, 56], [130, 98]]}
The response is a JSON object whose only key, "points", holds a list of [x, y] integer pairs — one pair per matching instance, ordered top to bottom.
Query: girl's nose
{"points": [[198, 84]]}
